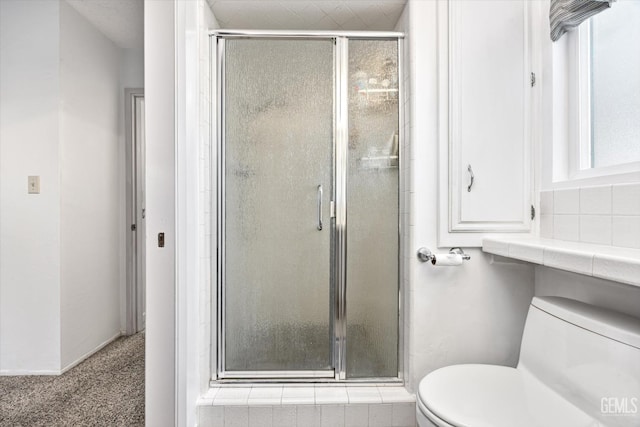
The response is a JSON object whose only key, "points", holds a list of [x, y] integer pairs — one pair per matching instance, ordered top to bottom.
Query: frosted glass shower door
{"points": [[278, 182], [372, 217]]}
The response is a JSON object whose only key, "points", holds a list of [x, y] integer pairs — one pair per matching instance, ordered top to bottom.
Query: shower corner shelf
{"points": [[378, 162]]}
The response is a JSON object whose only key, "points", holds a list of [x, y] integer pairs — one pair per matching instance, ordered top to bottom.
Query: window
{"points": [[615, 85], [606, 100]]}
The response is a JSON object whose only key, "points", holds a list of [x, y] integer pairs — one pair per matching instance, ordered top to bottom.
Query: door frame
{"points": [[135, 172], [339, 197]]}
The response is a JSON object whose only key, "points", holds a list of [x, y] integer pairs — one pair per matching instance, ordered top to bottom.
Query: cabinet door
{"points": [[485, 119]]}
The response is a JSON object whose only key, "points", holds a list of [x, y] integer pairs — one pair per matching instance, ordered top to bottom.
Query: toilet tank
{"points": [[589, 355]]}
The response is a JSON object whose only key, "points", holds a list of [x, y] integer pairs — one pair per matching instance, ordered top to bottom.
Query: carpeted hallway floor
{"points": [[105, 390]]}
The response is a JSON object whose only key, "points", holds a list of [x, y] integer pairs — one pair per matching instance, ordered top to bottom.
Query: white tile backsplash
{"points": [[626, 199], [595, 200], [566, 201], [546, 203], [606, 215], [546, 226], [566, 227], [595, 229], [626, 231]]}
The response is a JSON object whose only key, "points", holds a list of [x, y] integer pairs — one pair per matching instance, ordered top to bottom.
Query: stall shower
{"points": [[308, 194]]}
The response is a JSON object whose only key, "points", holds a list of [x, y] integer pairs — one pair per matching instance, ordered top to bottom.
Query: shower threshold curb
{"points": [[308, 394]]}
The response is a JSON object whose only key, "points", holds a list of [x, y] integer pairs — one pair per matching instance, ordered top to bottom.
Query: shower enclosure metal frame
{"points": [[339, 199]]}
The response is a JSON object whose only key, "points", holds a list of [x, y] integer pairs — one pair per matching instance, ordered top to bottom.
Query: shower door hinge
{"points": [[533, 79], [533, 212]]}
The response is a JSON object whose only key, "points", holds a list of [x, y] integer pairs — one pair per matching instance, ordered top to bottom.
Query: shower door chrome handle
{"points": [[320, 207]]}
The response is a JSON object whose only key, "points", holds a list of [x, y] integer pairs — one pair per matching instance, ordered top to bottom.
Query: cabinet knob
{"points": [[472, 177]]}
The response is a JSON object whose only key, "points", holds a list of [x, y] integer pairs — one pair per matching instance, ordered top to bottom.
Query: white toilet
{"points": [[579, 366]]}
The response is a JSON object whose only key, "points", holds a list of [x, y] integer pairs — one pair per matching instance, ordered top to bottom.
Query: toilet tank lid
{"points": [[608, 323]]}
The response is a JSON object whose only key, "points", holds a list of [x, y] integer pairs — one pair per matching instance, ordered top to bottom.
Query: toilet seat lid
{"points": [[495, 396]]}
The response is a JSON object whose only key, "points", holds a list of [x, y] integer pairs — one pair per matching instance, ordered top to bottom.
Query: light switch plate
{"points": [[34, 185]]}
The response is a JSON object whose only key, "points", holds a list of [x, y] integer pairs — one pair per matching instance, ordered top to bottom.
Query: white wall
{"points": [[160, 115], [177, 129], [89, 164], [29, 224], [60, 253], [474, 313]]}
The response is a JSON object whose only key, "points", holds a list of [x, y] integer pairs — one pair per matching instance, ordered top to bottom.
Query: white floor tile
{"points": [[332, 415], [356, 415], [380, 415], [404, 415], [211, 416], [236, 416], [260, 416], [284, 416], [308, 416]]}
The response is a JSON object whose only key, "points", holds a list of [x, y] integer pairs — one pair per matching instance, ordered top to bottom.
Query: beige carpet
{"points": [[105, 390]]}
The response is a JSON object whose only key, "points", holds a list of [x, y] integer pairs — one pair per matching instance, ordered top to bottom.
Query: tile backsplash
{"points": [[606, 215]]}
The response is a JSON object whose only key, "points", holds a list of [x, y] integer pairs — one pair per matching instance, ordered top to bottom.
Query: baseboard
{"points": [[90, 353], [7, 373], [16, 373]]}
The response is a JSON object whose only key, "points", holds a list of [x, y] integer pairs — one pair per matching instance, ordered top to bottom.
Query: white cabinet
{"points": [[485, 98]]}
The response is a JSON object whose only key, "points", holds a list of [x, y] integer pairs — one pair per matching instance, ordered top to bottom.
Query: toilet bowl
{"points": [[579, 366]]}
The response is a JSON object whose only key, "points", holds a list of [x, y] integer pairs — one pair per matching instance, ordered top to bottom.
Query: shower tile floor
{"points": [[307, 405]]}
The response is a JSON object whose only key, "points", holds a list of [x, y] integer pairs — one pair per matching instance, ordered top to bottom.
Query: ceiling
{"points": [[349, 15], [122, 21]]}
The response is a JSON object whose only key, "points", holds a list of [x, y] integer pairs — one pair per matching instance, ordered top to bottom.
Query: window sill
{"points": [[596, 179], [605, 262]]}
